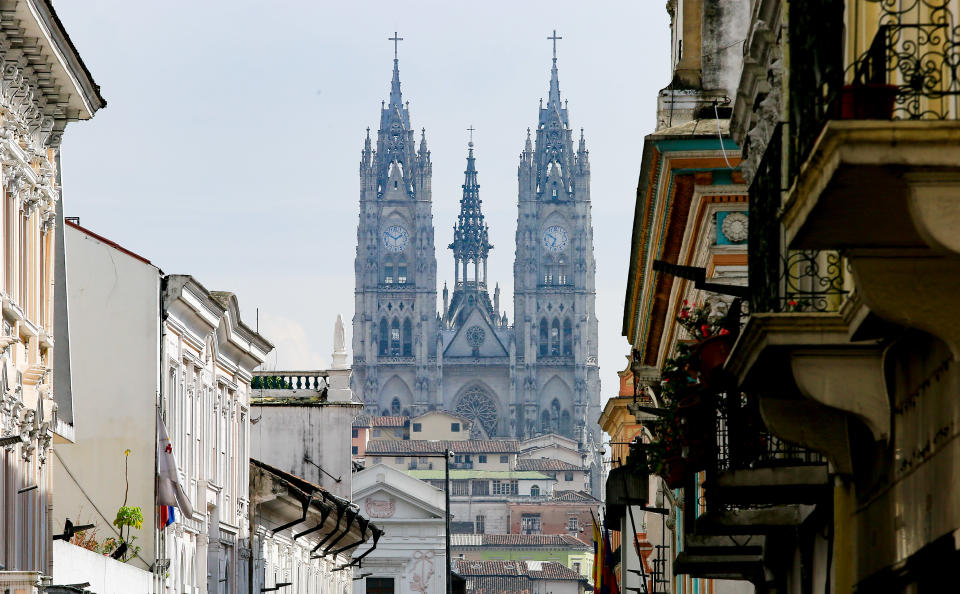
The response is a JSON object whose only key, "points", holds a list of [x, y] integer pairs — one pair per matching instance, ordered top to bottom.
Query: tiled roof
{"points": [[379, 421], [417, 446], [547, 464], [438, 474], [574, 496], [518, 540], [537, 570], [498, 585]]}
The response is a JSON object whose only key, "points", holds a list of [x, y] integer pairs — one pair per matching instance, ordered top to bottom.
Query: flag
{"points": [[170, 492], [597, 555], [609, 576]]}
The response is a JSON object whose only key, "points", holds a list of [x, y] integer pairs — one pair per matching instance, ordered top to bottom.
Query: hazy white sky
{"points": [[230, 145]]}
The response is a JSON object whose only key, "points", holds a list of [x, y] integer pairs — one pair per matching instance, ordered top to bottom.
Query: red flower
{"points": [[793, 303], [684, 314], [705, 330], [724, 332]]}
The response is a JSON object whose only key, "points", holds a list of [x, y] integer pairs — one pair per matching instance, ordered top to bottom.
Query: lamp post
{"points": [[447, 455]]}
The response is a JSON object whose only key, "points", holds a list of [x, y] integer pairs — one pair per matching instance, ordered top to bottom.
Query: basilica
{"points": [[519, 378]]}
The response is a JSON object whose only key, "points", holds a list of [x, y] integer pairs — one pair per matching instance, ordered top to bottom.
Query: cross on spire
{"points": [[554, 38], [397, 39], [471, 129]]}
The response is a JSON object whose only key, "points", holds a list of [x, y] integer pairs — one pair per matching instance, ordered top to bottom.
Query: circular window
{"points": [[475, 336], [476, 405]]}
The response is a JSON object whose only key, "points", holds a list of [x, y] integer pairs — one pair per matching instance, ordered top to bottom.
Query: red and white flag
{"points": [[169, 490]]}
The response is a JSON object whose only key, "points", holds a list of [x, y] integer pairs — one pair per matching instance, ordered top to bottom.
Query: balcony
{"points": [[290, 380]]}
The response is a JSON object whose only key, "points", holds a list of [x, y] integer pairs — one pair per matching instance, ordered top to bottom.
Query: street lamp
{"points": [[447, 455]]}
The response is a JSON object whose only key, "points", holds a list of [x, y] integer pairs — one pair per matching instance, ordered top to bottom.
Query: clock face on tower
{"points": [[395, 238], [555, 239]]}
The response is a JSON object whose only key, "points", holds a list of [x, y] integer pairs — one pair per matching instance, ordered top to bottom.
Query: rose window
{"points": [[477, 406]]}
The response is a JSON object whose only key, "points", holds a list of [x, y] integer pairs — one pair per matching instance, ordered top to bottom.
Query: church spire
{"points": [[395, 98], [553, 101], [470, 236]]}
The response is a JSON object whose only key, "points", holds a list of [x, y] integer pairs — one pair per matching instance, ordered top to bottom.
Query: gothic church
{"points": [[536, 375]]}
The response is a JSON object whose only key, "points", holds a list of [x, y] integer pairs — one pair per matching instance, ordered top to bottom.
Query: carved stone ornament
{"points": [[735, 227], [475, 336], [380, 508]]}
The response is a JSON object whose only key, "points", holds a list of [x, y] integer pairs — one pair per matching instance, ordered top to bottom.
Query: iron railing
{"points": [[784, 280], [743, 441]]}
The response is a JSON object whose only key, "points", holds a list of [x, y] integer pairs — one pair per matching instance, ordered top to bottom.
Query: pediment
{"points": [[475, 332], [384, 501]]}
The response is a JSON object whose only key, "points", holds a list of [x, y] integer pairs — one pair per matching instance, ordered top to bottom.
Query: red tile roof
{"points": [[380, 421], [417, 446], [547, 465], [574, 496], [518, 540], [536, 570]]}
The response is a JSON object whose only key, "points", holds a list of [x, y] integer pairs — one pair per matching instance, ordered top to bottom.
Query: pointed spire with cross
{"points": [[395, 97], [553, 101]]}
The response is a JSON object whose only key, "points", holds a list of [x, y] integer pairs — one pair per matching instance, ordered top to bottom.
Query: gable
{"points": [[462, 343], [387, 502]]}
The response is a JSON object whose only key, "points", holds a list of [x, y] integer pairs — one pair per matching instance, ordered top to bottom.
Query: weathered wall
{"points": [[115, 312], [75, 565]]}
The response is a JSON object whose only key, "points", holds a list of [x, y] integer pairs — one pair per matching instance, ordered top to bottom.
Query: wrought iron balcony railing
{"points": [[909, 71], [784, 280]]}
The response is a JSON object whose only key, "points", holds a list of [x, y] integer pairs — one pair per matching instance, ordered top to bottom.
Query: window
{"points": [[402, 272], [388, 274], [543, 337], [384, 338], [395, 338], [407, 338], [555, 338], [567, 338], [395, 407], [417, 427], [455, 427], [566, 427], [356, 433], [356, 450], [457, 459], [467, 459], [482, 459], [399, 460], [503, 460], [568, 476], [460, 487], [480, 487], [505, 487], [534, 490], [530, 524], [573, 524], [479, 525], [576, 567], [379, 585]]}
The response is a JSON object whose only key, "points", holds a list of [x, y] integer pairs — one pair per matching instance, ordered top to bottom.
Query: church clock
{"points": [[395, 238], [555, 238]]}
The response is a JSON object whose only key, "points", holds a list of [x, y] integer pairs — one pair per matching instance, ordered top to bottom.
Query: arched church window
{"points": [[555, 193], [402, 271], [561, 272], [388, 273], [384, 337], [543, 337], [567, 337], [395, 338], [407, 338], [555, 338], [395, 407], [554, 416], [545, 422], [566, 427], [535, 491]]}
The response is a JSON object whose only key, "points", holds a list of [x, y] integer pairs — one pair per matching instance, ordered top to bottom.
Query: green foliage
{"points": [[269, 382], [130, 517]]}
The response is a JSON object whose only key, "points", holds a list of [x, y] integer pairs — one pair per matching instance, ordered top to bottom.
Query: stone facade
{"points": [[537, 375]]}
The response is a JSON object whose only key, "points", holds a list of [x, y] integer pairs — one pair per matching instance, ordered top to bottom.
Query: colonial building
{"points": [[44, 85], [190, 361], [536, 375], [566, 550], [497, 577]]}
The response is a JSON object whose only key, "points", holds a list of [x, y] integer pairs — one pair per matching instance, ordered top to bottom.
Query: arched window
{"points": [[548, 270], [402, 271], [561, 271], [388, 273], [384, 337], [543, 337], [567, 337], [395, 338], [407, 338], [555, 338], [395, 407], [545, 422], [565, 426], [535, 491]]}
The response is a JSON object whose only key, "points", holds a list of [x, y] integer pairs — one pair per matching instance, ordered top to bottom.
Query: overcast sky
{"points": [[230, 145]]}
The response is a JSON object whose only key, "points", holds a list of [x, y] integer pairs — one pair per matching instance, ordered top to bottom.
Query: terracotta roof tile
{"points": [[417, 446], [547, 464], [574, 496], [517, 540], [536, 570]]}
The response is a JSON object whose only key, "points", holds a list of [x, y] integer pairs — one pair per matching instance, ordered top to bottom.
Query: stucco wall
{"points": [[114, 326], [284, 435], [76, 565]]}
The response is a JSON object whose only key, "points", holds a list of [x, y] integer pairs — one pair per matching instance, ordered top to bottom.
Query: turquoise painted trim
{"points": [[698, 144]]}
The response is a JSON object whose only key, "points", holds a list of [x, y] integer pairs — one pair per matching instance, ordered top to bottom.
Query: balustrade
{"points": [[290, 380]]}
